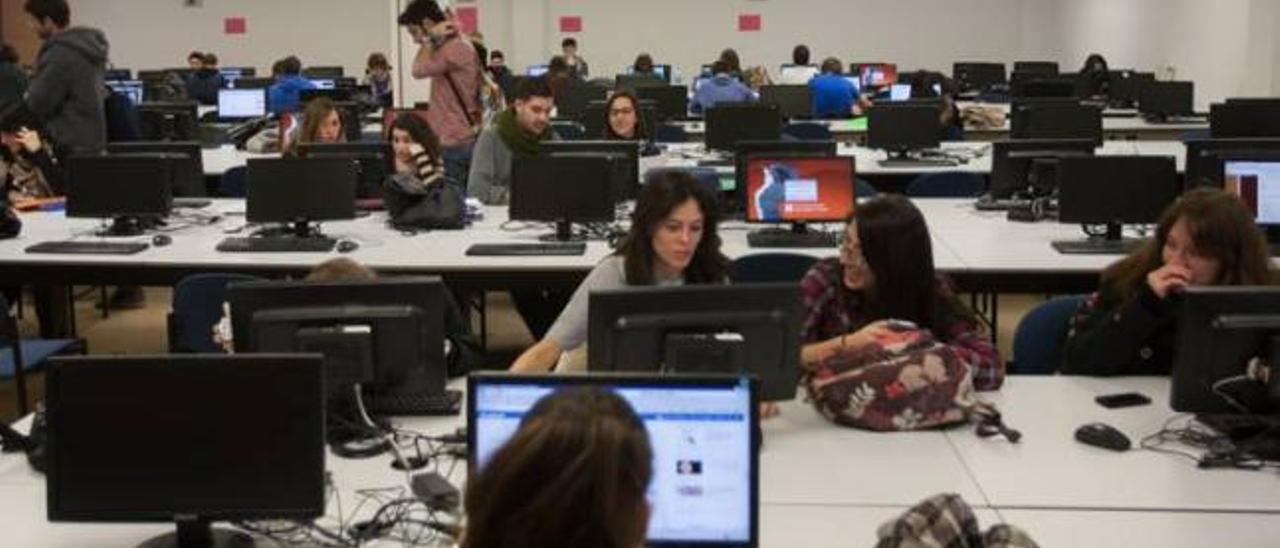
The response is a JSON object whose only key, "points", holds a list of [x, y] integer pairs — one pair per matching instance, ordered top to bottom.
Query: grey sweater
{"points": [[66, 90], [491, 160]]}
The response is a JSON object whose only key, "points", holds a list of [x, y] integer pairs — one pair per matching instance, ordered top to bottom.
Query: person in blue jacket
{"points": [[721, 88], [831, 94], [285, 95]]}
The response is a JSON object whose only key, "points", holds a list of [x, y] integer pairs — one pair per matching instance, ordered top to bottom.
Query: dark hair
{"points": [[54, 10], [419, 10], [568, 42], [8, 54], [496, 54], [197, 55], [800, 55], [730, 57], [210, 59], [1092, 60], [377, 61], [643, 64], [557, 65], [831, 65], [290, 66], [720, 67], [277, 68], [532, 87], [313, 115], [419, 131], [642, 132], [661, 195], [1221, 227], [897, 249], [340, 269], [581, 447]]}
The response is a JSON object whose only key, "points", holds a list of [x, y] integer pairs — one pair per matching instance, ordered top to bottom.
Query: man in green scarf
{"points": [[518, 131]]}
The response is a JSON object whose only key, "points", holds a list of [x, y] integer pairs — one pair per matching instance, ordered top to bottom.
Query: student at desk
{"points": [[1094, 79], [203, 84], [723, 87], [286, 94], [831, 94], [624, 121], [321, 123], [519, 130], [417, 152], [27, 168], [1207, 237], [672, 241]]}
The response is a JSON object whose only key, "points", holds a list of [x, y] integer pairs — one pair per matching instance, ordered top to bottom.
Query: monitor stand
{"points": [[916, 158], [125, 227], [300, 228], [563, 233], [798, 235], [1111, 244], [197, 533]]}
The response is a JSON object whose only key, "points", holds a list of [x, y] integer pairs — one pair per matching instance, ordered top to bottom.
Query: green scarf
{"points": [[516, 138]]}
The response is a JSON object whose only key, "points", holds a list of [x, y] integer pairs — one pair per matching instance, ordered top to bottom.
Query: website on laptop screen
{"points": [[1258, 184]]}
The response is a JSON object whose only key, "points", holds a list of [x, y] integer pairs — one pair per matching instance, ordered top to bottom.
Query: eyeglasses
{"points": [[621, 111]]}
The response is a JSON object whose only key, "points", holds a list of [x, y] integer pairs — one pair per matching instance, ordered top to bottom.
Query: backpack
{"points": [[413, 206]]}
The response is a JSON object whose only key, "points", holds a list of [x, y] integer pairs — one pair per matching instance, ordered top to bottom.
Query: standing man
{"points": [[451, 62], [577, 65], [66, 89]]}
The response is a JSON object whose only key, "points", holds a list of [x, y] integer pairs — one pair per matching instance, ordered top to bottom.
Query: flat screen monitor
{"points": [[1044, 68], [535, 71], [330, 72], [798, 73], [117, 74], [875, 75], [977, 76], [639, 80], [253, 83], [324, 83], [1126, 85], [1038, 86], [133, 89], [899, 92], [334, 94], [575, 97], [1166, 99], [792, 100], [671, 102], [241, 104], [1244, 119], [1056, 120], [175, 121], [728, 124], [903, 127], [747, 149], [624, 156], [186, 157], [1205, 157], [374, 161], [1029, 167], [1257, 182], [129, 188], [564, 189], [784, 189], [1116, 189], [300, 190], [741, 328], [1220, 329], [703, 431], [216, 438]]}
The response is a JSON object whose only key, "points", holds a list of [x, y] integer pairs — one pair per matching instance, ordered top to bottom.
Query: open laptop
{"points": [[705, 487]]}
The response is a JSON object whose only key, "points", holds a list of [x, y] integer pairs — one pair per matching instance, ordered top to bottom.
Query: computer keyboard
{"points": [[1174, 120], [918, 162], [192, 203], [987, 203], [789, 239], [276, 244], [1097, 246], [88, 248], [520, 250], [448, 403]]}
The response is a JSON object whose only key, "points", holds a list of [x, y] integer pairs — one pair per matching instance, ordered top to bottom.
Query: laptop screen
{"points": [[131, 88], [242, 103], [1258, 184], [705, 476]]}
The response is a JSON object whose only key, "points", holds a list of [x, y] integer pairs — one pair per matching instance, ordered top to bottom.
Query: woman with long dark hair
{"points": [[1095, 78], [622, 118], [1207, 237], [672, 241], [885, 274]]}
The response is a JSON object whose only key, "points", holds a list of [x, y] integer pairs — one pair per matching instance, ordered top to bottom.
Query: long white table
{"points": [[1113, 128]]}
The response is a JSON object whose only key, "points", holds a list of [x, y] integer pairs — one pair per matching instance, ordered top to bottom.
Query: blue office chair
{"points": [[569, 131], [807, 131], [671, 133], [234, 183], [947, 184], [863, 188], [770, 267], [196, 308], [1040, 336], [19, 356]]}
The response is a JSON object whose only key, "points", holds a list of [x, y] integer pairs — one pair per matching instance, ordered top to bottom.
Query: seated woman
{"points": [[624, 121], [321, 123], [417, 152], [27, 168], [1207, 237], [672, 241], [885, 276], [577, 448]]}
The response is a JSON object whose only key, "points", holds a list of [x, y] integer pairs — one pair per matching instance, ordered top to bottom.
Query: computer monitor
{"points": [[1043, 68], [535, 71], [237, 72], [329, 72], [798, 73], [117, 74], [875, 75], [153, 76], [977, 76], [639, 80], [253, 83], [324, 83], [1037, 86], [1126, 86], [133, 89], [900, 92], [334, 94], [575, 97], [792, 100], [1161, 100], [671, 102], [242, 104], [1245, 119], [1055, 120], [168, 121], [727, 124], [901, 128], [747, 149], [185, 157], [624, 157], [1205, 157], [374, 161], [1029, 168], [1256, 179], [564, 189], [133, 190], [798, 190], [300, 191], [1114, 191], [742, 328], [1220, 329], [704, 431], [215, 438]]}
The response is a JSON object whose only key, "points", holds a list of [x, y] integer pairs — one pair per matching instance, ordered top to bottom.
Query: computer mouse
{"points": [[161, 240], [347, 246], [1103, 435]]}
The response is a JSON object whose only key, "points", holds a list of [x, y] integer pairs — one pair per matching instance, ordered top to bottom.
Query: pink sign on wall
{"points": [[749, 22], [571, 24], [235, 25]]}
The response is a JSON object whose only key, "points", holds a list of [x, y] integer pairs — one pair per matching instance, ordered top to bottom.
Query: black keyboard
{"points": [[1175, 120], [918, 162], [191, 203], [987, 203], [789, 239], [276, 244], [1098, 246], [88, 248], [520, 250], [448, 403]]}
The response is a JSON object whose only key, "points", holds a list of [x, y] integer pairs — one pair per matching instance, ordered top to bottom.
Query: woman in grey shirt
{"points": [[672, 241]]}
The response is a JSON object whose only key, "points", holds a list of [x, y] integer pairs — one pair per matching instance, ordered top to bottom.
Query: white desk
{"points": [[1126, 128], [218, 160]]}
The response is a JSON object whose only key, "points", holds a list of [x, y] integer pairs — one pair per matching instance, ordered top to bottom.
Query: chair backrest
{"points": [[569, 131], [807, 131], [670, 133], [234, 183], [947, 184], [770, 267], [196, 308], [1040, 336]]}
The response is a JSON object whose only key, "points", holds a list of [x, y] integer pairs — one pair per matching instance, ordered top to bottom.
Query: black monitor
{"points": [[1043, 68], [237, 72], [323, 72], [117, 74], [875, 75], [153, 76], [977, 76], [639, 80], [254, 83], [1034, 85], [1126, 85], [135, 90], [334, 94], [575, 97], [792, 100], [1162, 100], [671, 102], [594, 118], [1245, 119], [1055, 120], [168, 121], [728, 124], [903, 127], [746, 149], [624, 156], [374, 160], [188, 164], [1204, 165], [1029, 168], [1256, 179], [564, 189], [133, 190], [798, 190], [300, 191], [1113, 191], [747, 328], [1220, 329], [216, 438]]}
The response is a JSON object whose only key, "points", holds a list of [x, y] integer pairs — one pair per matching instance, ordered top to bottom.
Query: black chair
{"points": [[20, 356]]}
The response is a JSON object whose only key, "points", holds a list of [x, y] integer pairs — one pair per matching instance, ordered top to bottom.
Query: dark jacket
{"points": [[13, 83], [203, 85], [66, 90], [1134, 337]]}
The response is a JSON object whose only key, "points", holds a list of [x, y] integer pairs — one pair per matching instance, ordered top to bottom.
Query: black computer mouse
{"points": [[161, 240], [347, 246], [1103, 435]]}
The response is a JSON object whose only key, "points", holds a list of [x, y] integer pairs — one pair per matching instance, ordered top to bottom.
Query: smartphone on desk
{"points": [[1126, 399]]}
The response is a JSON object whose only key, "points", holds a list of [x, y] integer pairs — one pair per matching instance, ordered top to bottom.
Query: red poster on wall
{"points": [[468, 19], [749, 22], [570, 24], [235, 25]]}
